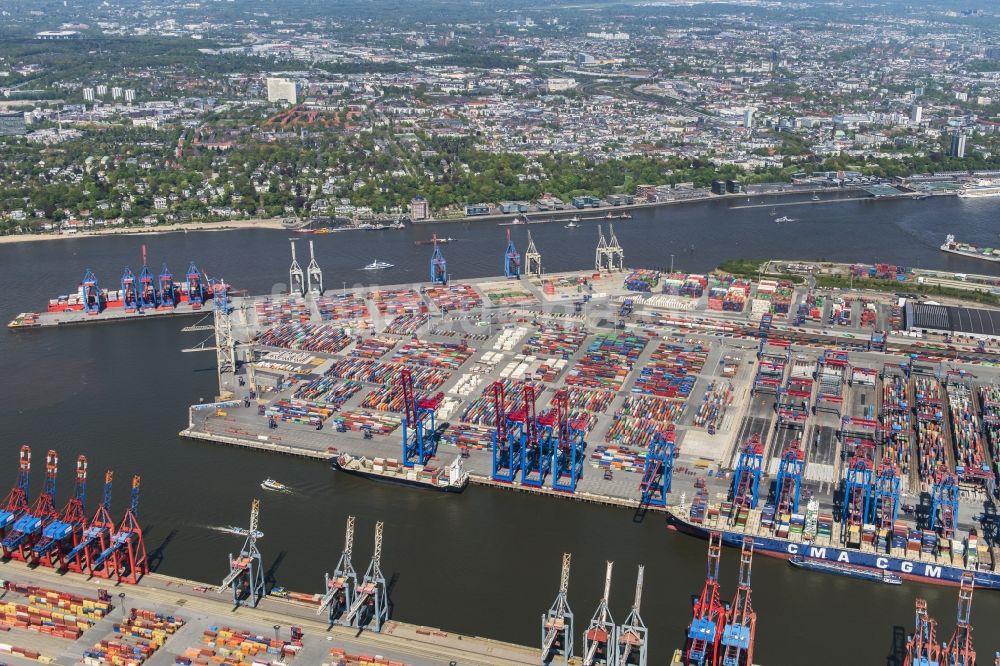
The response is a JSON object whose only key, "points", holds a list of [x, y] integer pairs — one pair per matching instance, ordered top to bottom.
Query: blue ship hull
{"points": [[924, 572]]}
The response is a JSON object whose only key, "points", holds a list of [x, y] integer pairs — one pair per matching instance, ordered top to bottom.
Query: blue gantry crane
{"points": [[511, 260], [439, 267], [130, 290], [196, 290], [168, 296], [148, 297], [93, 303], [420, 437], [507, 439], [568, 443], [536, 447], [658, 470], [788, 485], [858, 488], [745, 491], [885, 496], [16, 503], [944, 503], [27, 529], [61, 535], [96, 537], [125, 556], [246, 572], [339, 589], [371, 601], [557, 623], [633, 635]]}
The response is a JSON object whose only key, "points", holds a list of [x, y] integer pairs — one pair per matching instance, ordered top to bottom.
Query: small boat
{"points": [[815, 197], [609, 216], [625, 216], [783, 219], [398, 224], [572, 225], [377, 266], [271, 484], [838, 569]]}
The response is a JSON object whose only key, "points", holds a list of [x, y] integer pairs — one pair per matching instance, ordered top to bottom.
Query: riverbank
{"points": [[229, 225]]}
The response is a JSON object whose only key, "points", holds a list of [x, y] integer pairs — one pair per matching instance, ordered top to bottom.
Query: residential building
{"points": [[282, 90], [12, 124], [957, 145], [419, 209]]}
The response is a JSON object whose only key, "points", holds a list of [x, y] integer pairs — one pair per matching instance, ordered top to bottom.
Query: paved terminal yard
{"points": [[324, 370], [163, 618]]}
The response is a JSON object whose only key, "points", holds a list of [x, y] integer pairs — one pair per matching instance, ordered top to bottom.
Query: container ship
{"points": [[967, 250], [452, 479], [911, 554]]}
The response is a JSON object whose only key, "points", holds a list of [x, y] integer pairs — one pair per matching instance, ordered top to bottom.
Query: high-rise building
{"points": [[102, 90], [281, 90], [116, 92], [88, 94], [129, 95], [916, 114], [748, 118], [12, 124], [957, 145], [419, 210]]}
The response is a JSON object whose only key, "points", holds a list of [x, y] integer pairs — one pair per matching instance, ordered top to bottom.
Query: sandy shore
{"points": [[160, 229]]}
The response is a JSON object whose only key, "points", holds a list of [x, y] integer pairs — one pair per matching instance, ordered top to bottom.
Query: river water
{"points": [[486, 562]]}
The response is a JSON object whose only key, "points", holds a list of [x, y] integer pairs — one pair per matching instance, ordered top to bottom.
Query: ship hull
{"points": [[970, 255], [412, 483], [923, 572]]}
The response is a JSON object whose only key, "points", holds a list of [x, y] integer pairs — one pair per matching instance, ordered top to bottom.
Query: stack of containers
{"points": [[642, 280], [694, 286], [454, 297], [716, 297], [735, 298], [781, 299], [398, 302], [341, 307], [280, 311], [406, 324], [325, 338], [554, 342], [373, 347], [433, 354], [607, 362], [378, 372], [328, 390], [388, 398], [989, 402], [712, 409], [302, 412], [894, 420], [378, 423], [471, 436], [970, 455], [618, 458], [899, 532], [242, 647]]}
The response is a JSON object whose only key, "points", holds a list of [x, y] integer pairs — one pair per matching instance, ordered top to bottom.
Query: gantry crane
{"points": [[532, 259], [511, 260], [439, 267], [314, 274], [296, 277], [196, 287], [130, 290], [168, 296], [148, 297], [92, 301], [419, 430], [507, 439], [568, 443], [536, 448], [658, 470], [788, 485], [745, 490], [857, 492], [885, 498], [16, 503], [944, 503], [27, 529], [61, 535], [96, 537], [125, 556], [246, 572], [339, 588], [373, 593], [708, 618], [557, 623], [740, 632], [632, 634], [600, 638], [922, 648], [959, 651]]}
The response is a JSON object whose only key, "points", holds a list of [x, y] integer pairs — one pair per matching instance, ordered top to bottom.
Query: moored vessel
{"points": [[451, 479]]}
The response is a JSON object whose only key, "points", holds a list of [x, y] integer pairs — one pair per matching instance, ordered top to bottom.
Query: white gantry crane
{"points": [[246, 572], [340, 588], [557, 623], [600, 637], [632, 643]]}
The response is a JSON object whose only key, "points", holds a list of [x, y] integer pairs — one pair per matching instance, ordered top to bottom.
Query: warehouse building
{"points": [[947, 319]]}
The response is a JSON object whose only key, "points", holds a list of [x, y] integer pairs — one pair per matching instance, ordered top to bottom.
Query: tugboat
{"points": [[377, 266], [452, 479]]}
